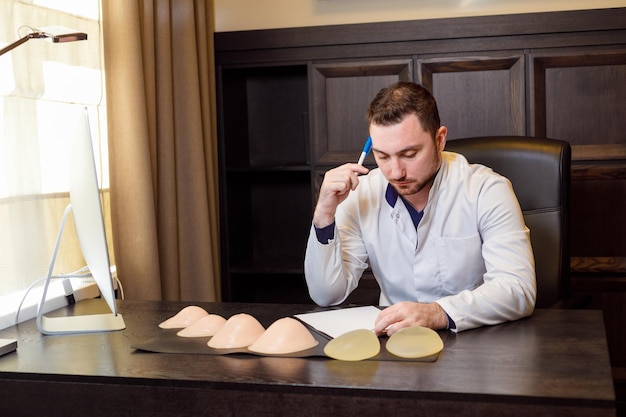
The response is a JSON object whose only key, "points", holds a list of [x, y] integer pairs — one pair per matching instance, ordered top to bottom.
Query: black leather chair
{"points": [[539, 170]]}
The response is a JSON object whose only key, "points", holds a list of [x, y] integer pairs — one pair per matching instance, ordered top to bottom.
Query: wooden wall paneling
{"points": [[456, 35], [340, 94], [478, 95], [578, 95], [598, 218], [610, 270]]}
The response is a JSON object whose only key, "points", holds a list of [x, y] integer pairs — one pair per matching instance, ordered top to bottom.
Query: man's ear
{"points": [[440, 139]]}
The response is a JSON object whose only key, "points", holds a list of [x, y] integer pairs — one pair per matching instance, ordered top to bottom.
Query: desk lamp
{"points": [[40, 34]]}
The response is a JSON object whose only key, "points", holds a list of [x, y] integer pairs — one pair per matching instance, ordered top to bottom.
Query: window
{"points": [[41, 82]]}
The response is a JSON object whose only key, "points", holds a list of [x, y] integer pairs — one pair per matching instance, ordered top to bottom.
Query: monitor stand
{"points": [[92, 323], [7, 346]]}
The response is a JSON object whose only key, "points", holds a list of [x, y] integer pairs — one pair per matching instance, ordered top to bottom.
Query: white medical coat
{"points": [[471, 251]]}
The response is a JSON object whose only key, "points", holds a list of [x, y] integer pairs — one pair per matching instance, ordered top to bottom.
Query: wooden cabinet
{"points": [[291, 104]]}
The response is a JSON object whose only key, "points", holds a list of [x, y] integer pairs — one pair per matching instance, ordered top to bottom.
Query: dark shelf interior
{"points": [[265, 116], [266, 211], [269, 215], [270, 288]]}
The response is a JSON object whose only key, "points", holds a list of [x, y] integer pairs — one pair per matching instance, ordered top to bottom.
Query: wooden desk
{"points": [[553, 363]]}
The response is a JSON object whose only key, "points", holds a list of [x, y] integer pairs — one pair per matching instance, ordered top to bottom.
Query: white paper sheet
{"points": [[337, 322]]}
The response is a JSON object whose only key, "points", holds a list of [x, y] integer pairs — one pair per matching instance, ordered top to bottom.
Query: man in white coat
{"points": [[445, 239]]}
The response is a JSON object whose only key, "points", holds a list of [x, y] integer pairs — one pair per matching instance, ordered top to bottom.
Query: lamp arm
{"points": [[21, 41], [14, 44]]}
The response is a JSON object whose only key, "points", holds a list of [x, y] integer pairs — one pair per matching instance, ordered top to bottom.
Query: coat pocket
{"points": [[461, 263]]}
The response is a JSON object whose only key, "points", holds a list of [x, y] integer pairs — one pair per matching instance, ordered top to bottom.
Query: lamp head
{"points": [[69, 37]]}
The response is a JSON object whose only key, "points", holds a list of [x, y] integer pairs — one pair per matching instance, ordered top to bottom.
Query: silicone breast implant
{"points": [[184, 318], [206, 326], [239, 331], [286, 335], [414, 342], [356, 345]]}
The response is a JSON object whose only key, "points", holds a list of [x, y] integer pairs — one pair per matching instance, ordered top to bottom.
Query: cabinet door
{"points": [[340, 94], [477, 95], [578, 95]]}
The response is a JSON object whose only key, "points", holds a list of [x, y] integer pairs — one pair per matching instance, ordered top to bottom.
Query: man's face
{"points": [[408, 156]]}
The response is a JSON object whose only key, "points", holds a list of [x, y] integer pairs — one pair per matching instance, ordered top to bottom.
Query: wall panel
{"points": [[340, 95], [478, 96], [579, 96]]}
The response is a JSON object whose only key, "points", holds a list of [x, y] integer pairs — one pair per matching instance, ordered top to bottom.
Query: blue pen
{"points": [[366, 150]]}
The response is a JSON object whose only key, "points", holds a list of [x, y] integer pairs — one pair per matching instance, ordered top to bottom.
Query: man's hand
{"points": [[337, 184], [407, 314]]}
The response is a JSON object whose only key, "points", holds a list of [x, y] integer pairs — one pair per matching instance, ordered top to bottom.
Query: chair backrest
{"points": [[539, 170]]}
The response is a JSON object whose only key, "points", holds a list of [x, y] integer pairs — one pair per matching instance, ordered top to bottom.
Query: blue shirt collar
{"points": [[391, 195]]}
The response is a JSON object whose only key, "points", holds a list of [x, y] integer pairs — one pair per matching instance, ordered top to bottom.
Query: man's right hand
{"points": [[337, 184]]}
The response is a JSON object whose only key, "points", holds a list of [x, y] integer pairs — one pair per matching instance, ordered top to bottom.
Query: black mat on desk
{"points": [[166, 341]]}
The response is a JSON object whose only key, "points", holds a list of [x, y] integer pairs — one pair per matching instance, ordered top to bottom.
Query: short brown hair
{"points": [[393, 103]]}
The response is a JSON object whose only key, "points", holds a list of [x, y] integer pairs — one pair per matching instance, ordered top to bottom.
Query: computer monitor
{"points": [[86, 208]]}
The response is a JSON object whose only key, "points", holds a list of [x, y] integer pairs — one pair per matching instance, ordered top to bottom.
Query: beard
{"points": [[410, 186]]}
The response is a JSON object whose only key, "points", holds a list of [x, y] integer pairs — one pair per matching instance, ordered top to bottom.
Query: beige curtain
{"points": [[162, 144]]}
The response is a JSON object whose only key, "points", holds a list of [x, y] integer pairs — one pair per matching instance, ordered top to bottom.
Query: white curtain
{"points": [[41, 85]]}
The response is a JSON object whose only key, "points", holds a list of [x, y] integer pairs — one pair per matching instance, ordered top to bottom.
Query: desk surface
{"points": [[554, 362]]}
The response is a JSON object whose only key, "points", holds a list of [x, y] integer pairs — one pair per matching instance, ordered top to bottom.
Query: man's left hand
{"points": [[408, 314]]}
